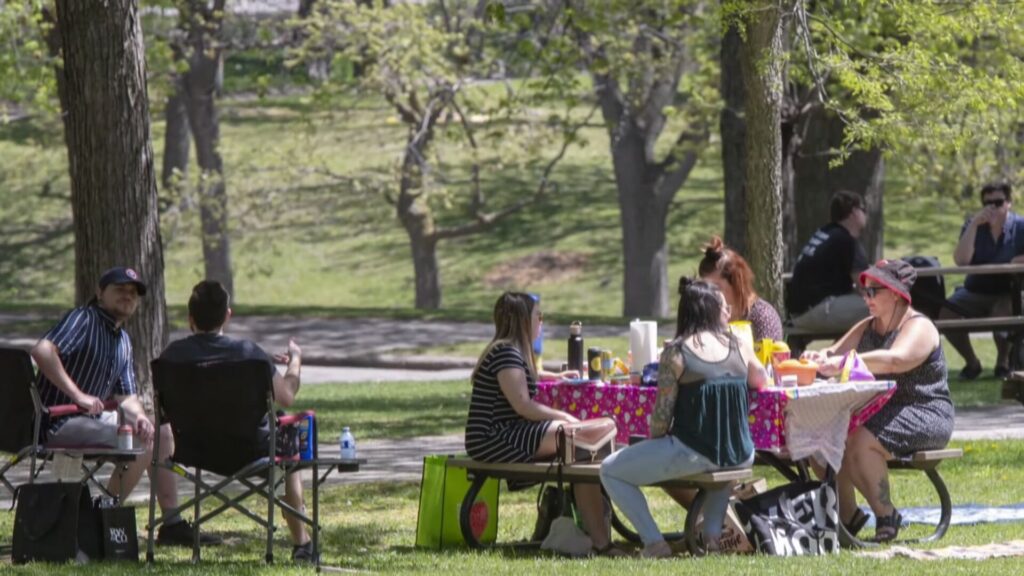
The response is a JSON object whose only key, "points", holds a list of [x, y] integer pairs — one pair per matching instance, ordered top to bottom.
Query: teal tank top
{"points": [[711, 407]]}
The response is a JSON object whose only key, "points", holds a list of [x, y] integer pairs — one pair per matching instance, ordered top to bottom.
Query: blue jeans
{"points": [[653, 461]]}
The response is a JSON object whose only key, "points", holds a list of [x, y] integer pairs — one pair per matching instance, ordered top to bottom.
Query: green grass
{"points": [[372, 527]]}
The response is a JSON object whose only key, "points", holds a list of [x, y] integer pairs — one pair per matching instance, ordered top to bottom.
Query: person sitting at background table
{"points": [[993, 235], [725, 268], [897, 343], [699, 423], [505, 424]]}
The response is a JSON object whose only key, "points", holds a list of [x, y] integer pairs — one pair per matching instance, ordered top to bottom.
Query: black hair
{"points": [[1003, 187], [843, 204], [208, 305], [700, 309]]}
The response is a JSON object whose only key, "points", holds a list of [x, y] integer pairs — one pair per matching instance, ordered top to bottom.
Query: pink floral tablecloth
{"points": [[630, 406]]}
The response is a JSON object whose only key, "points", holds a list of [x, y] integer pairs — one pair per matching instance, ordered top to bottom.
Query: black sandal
{"points": [[856, 523], [887, 527]]}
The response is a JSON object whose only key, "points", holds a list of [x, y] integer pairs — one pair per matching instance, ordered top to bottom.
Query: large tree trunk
{"points": [[762, 54], [200, 83], [733, 130], [110, 159], [642, 214]]}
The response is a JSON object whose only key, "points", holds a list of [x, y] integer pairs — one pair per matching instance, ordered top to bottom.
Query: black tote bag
{"points": [[53, 521]]}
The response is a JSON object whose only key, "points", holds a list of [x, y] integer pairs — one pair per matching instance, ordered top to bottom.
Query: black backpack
{"points": [[929, 292]]}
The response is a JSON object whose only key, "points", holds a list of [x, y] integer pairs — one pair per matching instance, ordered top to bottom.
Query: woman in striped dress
{"points": [[506, 425]]}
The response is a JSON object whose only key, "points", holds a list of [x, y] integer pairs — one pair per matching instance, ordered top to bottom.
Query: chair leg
{"points": [[271, 493], [316, 516], [196, 519]]}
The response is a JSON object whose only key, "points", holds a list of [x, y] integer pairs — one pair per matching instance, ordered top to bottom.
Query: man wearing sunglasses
{"points": [[993, 235]]}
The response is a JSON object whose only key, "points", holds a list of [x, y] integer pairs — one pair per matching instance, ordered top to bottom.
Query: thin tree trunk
{"points": [[763, 72], [200, 84], [733, 128], [177, 139], [110, 159], [418, 221]]}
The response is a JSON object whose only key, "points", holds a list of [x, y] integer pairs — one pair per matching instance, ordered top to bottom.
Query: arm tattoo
{"points": [[668, 389]]}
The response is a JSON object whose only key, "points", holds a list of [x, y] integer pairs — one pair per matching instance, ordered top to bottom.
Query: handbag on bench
{"points": [[573, 449]]}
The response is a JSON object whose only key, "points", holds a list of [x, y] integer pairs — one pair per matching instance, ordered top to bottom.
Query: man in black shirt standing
{"points": [[822, 295]]}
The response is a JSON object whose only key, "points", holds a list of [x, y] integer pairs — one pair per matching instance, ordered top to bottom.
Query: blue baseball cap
{"points": [[122, 275]]}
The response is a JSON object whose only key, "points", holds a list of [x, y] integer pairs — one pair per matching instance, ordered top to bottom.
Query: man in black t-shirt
{"points": [[822, 295], [208, 313]]}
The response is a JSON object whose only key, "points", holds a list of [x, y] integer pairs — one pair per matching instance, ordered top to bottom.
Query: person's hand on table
{"points": [[815, 356], [830, 366], [569, 374], [570, 418]]}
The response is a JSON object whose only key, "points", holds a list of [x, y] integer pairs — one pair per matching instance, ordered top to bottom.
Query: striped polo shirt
{"points": [[96, 354]]}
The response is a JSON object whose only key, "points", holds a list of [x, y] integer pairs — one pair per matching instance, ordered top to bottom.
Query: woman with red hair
{"points": [[725, 268]]}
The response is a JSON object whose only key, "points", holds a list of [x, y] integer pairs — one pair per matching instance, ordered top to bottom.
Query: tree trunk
{"points": [[762, 54], [200, 82], [733, 128], [177, 138], [110, 159], [418, 221], [644, 250]]}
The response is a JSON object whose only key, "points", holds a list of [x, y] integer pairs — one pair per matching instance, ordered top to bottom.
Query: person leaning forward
{"points": [[208, 312], [86, 359]]}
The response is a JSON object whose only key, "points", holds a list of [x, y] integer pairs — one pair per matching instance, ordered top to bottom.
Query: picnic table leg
{"points": [[945, 506], [467, 507]]}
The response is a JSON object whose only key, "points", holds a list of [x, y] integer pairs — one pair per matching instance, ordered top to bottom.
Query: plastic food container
{"points": [[804, 370]]}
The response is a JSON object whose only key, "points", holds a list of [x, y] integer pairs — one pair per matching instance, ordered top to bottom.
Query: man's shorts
{"points": [[979, 305], [86, 431]]}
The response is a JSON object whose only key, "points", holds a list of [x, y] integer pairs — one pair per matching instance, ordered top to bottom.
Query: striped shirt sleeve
{"points": [[68, 334], [506, 357], [125, 385]]}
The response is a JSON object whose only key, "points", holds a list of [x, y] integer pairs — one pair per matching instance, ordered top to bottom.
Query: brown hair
{"points": [[732, 268], [513, 318]]}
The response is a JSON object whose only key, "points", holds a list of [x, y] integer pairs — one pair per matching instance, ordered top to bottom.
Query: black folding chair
{"points": [[216, 412], [24, 422]]}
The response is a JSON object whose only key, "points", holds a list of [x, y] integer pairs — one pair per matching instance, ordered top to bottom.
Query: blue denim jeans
{"points": [[653, 461]]}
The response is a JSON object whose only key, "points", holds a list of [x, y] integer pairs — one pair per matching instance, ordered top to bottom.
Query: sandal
{"points": [[857, 522], [887, 527], [609, 550]]}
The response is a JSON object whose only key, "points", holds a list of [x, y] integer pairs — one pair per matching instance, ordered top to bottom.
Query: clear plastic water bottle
{"points": [[348, 444]]}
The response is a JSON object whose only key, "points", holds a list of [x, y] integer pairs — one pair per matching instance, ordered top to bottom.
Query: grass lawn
{"points": [[372, 527]]}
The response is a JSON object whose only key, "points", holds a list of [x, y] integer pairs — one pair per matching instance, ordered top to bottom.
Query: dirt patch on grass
{"points": [[543, 266]]}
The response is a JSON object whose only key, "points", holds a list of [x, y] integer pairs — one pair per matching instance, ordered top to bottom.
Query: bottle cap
{"points": [[576, 328]]}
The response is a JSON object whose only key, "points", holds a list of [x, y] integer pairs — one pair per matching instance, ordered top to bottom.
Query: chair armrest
{"points": [[69, 409], [289, 419]]}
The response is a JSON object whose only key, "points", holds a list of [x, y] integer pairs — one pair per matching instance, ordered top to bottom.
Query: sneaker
{"points": [[970, 372], [1001, 372], [180, 534], [304, 553]]}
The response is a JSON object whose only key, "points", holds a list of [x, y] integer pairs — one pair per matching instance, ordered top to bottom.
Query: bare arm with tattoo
{"points": [[670, 368]]}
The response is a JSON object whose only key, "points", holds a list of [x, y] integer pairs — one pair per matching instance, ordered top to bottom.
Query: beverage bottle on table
{"points": [[576, 347], [348, 444]]}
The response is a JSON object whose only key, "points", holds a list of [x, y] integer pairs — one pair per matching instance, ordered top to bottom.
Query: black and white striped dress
{"points": [[494, 431]]}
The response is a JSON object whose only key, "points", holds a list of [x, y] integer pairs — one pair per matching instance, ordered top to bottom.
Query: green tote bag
{"points": [[441, 492]]}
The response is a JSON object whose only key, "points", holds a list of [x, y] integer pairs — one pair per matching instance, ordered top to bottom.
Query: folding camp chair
{"points": [[217, 413], [24, 422]]}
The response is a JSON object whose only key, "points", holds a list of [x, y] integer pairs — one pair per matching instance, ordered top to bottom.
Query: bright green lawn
{"points": [[372, 527]]}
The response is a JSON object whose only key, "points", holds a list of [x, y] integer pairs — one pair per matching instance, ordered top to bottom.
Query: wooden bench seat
{"points": [[580, 474]]}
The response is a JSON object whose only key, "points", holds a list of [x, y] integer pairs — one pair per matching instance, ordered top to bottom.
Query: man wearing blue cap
{"points": [[86, 359]]}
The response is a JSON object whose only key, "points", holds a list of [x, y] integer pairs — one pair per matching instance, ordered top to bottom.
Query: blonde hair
{"points": [[513, 325]]}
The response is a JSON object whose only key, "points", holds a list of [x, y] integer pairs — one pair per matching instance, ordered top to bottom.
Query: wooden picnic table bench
{"points": [[583, 474]]}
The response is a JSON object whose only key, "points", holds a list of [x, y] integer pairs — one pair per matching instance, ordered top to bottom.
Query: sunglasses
{"points": [[997, 203], [871, 291]]}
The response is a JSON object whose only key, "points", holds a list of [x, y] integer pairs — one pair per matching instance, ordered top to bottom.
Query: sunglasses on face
{"points": [[995, 203], [871, 291]]}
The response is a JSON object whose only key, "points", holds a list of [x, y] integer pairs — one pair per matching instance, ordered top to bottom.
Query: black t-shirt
{"points": [[824, 268], [211, 348]]}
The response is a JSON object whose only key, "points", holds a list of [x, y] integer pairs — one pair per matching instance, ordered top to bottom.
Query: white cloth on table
{"points": [[818, 416]]}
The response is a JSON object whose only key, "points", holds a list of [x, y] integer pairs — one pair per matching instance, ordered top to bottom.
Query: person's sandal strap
{"points": [[856, 523], [887, 527]]}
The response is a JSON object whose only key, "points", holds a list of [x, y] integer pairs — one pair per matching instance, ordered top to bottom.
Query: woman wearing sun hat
{"points": [[897, 343]]}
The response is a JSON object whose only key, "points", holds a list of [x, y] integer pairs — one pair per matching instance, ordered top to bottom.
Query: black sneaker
{"points": [[970, 372], [1001, 372], [180, 534], [304, 553]]}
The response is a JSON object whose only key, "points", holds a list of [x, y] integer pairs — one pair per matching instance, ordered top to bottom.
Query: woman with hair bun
{"points": [[725, 268]]}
